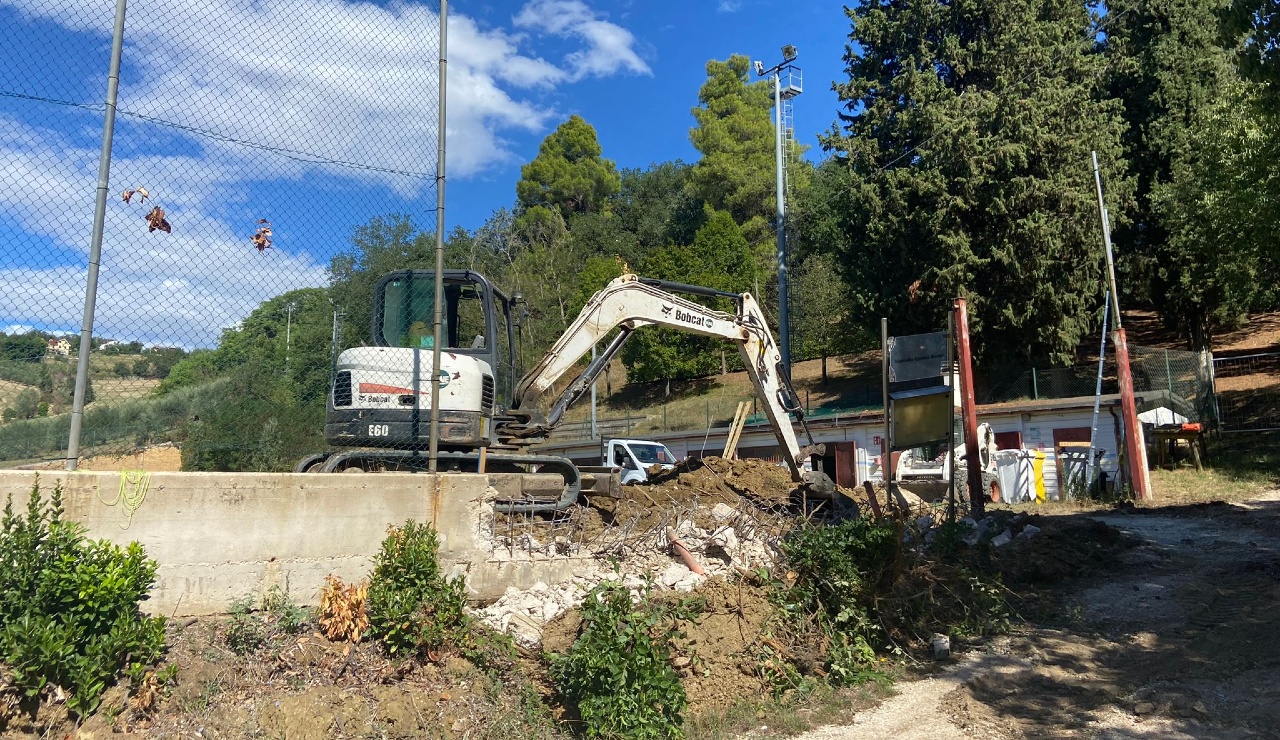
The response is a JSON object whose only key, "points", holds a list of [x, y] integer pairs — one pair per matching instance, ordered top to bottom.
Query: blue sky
{"points": [[315, 86], [645, 118]]}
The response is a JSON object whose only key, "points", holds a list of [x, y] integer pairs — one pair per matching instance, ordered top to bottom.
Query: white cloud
{"points": [[729, 6], [610, 47], [343, 81], [346, 81]]}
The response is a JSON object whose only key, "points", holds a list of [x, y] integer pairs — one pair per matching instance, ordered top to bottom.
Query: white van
{"points": [[635, 457]]}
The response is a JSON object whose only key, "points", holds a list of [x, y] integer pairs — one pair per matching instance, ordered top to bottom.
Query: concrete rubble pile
{"points": [[735, 543]]}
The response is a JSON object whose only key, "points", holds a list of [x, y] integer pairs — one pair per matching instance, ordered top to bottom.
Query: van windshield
{"points": [[652, 454]]}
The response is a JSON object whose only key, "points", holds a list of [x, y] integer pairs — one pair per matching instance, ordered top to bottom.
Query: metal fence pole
{"points": [[95, 241], [1097, 393], [434, 445]]}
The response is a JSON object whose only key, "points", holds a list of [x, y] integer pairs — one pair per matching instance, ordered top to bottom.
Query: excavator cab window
{"points": [[408, 314]]}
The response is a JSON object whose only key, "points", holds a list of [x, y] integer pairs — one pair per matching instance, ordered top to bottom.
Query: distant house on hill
{"points": [[60, 347]]}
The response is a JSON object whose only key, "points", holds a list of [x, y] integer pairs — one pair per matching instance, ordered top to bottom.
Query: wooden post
{"points": [[1129, 411], [973, 459]]}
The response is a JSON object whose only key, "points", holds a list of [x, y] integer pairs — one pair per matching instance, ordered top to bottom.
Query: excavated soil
{"points": [[692, 489]]}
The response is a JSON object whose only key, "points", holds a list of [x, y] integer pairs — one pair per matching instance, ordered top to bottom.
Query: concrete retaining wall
{"points": [[223, 536]]}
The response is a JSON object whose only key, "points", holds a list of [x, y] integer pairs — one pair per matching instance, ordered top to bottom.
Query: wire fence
{"points": [[258, 152], [1248, 392]]}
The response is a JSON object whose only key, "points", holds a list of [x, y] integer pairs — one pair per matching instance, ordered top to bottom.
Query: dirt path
{"points": [[1182, 642]]}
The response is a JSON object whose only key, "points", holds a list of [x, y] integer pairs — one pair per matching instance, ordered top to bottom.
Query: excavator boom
{"points": [[631, 302]]}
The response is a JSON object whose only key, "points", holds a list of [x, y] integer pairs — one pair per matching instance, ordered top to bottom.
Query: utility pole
{"points": [[782, 94], [95, 240], [288, 330], [1134, 453]]}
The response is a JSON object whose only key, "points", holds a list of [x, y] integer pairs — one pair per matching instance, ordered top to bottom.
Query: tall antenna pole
{"points": [[95, 240], [784, 324], [434, 448]]}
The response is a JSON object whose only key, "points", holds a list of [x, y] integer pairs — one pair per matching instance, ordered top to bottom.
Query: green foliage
{"points": [[1256, 23], [1169, 68], [568, 175], [969, 176], [658, 206], [1220, 207], [820, 315], [23, 348], [25, 404], [132, 423], [841, 568], [69, 605], [412, 607], [251, 627], [245, 631], [618, 672]]}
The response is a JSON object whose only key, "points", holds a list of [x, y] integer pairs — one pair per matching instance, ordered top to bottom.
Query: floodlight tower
{"points": [[787, 84]]}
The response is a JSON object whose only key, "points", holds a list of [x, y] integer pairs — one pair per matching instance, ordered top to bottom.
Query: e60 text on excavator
{"points": [[379, 404]]}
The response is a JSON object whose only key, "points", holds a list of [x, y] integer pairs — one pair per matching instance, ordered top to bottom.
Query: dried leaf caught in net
{"points": [[142, 194], [156, 221], [262, 238]]}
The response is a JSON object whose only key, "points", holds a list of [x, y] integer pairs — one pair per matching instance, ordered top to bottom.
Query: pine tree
{"points": [[968, 127], [736, 139], [569, 174]]}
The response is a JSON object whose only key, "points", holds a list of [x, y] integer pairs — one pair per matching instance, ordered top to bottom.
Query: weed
{"points": [[69, 605], [289, 617], [245, 630], [618, 673]]}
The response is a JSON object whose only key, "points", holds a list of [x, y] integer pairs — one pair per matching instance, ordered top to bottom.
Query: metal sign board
{"points": [[917, 356], [921, 417]]}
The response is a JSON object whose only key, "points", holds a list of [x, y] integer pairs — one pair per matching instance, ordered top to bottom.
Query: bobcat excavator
{"points": [[379, 404]]}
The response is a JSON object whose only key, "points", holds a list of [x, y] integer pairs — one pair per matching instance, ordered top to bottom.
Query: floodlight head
{"points": [[789, 53], [760, 68]]}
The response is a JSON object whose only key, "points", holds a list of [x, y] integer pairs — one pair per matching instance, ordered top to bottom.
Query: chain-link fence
{"points": [[256, 147], [1185, 377], [1248, 392]]}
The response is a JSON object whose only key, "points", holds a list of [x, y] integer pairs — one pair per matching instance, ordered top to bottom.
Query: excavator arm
{"points": [[630, 302]]}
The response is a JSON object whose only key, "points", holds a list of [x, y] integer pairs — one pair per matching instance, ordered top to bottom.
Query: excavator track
{"points": [[520, 479]]}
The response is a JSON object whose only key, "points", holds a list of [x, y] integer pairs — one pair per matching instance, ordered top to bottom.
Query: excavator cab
{"points": [[477, 319]]}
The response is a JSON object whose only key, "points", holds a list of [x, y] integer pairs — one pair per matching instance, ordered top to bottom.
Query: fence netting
{"points": [[261, 151], [1248, 396]]}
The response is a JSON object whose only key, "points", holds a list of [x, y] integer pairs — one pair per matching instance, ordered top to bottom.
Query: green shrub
{"points": [[839, 569], [69, 605], [412, 607], [618, 672]]}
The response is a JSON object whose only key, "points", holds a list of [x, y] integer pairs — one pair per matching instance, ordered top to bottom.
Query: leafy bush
{"points": [[839, 569], [69, 605], [411, 606], [618, 673]]}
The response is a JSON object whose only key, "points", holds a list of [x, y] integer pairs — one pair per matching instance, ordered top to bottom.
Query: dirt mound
{"points": [[691, 491], [1062, 547], [722, 646]]}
